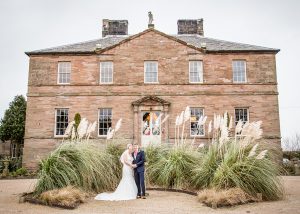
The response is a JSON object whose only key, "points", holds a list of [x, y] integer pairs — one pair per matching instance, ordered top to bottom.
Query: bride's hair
{"points": [[128, 145]]}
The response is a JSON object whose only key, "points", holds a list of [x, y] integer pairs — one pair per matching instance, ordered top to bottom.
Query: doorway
{"points": [[151, 128]]}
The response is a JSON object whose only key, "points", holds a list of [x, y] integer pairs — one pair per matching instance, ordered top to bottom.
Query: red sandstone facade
{"points": [[129, 97]]}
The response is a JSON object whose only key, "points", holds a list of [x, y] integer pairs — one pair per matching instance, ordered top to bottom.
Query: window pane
{"points": [[239, 70], [196, 71], [64, 72], [106, 72], [151, 72], [196, 113], [241, 114], [105, 120], [62, 121], [146, 123], [156, 123]]}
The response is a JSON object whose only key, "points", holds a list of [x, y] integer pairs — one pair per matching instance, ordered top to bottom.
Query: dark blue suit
{"points": [[139, 177]]}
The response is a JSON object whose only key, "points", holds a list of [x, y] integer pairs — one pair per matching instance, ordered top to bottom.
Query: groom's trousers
{"points": [[140, 182]]}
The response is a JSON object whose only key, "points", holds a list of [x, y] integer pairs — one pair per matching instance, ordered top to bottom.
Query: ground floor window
{"points": [[241, 114], [105, 120], [61, 121], [196, 130], [14, 152]]}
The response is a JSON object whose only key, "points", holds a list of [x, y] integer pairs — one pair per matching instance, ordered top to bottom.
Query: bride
{"points": [[127, 189]]}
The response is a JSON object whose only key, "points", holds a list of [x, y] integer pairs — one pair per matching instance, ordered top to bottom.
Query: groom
{"points": [[139, 169]]}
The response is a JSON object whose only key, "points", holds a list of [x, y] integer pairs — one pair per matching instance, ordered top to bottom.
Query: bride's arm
{"points": [[126, 161]]}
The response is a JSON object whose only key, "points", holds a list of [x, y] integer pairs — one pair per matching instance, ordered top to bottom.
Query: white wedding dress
{"points": [[127, 189]]}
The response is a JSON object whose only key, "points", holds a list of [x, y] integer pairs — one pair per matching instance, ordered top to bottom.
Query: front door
{"points": [[151, 128]]}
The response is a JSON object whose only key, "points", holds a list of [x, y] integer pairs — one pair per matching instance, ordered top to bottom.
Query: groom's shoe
{"points": [[137, 197], [143, 197]]}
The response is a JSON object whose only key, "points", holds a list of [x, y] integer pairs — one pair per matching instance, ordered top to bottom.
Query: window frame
{"points": [[145, 62], [58, 73], [112, 73], [200, 73], [246, 79], [203, 114], [248, 114], [55, 121], [104, 136]]}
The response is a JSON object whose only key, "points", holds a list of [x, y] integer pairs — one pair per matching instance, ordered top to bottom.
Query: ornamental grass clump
{"points": [[243, 161], [81, 164], [170, 167]]}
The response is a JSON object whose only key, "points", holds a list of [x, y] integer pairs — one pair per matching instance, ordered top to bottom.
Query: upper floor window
{"points": [[196, 71], [239, 71], [64, 72], [106, 72], [151, 72], [241, 114], [61, 121], [105, 121], [196, 130]]}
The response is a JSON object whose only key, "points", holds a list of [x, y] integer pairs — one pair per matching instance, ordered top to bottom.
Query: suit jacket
{"points": [[139, 160]]}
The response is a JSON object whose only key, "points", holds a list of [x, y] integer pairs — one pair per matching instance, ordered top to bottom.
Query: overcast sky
{"points": [[34, 24]]}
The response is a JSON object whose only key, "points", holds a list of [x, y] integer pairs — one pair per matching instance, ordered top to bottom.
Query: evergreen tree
{"points": [[12, 125]]}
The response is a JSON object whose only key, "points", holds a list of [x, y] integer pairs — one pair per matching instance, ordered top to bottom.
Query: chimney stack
{"points": [[190, 26], [114, 27]]}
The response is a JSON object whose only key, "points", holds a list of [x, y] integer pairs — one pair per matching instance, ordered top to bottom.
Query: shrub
{"points": [[291, 154], [15, 163], [82, 165], [288, 168], [21, 171]]}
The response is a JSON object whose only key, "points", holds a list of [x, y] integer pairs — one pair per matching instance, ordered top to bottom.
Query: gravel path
{"points": [[157, 202]]}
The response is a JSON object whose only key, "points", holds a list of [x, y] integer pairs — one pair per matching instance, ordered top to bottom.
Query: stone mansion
{"points": [[138, 77]]}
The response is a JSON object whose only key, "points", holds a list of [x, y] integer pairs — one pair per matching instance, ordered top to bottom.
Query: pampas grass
{"points": [[80, 164], [231, 165], [171, 167]]}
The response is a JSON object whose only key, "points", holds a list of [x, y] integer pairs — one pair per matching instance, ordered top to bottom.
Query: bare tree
{"points": [[291, 144]]}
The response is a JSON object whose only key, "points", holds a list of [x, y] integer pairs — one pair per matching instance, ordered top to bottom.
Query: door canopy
{"points": [[151, 101]]}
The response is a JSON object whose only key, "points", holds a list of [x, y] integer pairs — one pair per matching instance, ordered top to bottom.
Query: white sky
{"points": [[34, 24]]}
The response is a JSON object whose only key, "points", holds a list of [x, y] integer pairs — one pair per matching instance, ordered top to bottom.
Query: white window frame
{"points": [[156, 62], [245, 63], [58, 73], [112, 73], [200, 73], [248, 114], [55, 122], [203, 125], [104, 136]]}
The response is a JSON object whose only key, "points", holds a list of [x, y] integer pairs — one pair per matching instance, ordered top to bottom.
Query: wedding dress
{"points": [[127, 189]]}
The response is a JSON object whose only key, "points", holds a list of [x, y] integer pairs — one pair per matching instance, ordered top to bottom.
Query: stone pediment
{"points": [[151, 101]]}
